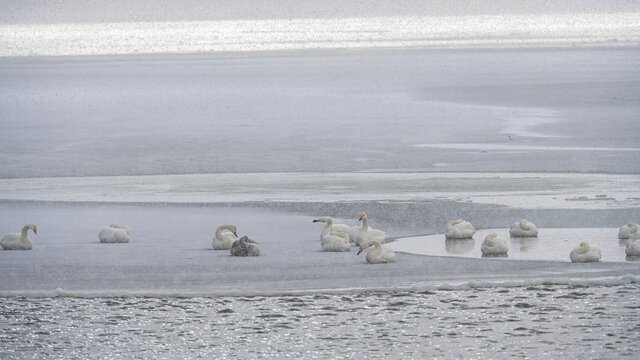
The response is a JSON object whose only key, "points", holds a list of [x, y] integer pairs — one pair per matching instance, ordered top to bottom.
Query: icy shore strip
{"points": [[437, 32], [518, 190]]}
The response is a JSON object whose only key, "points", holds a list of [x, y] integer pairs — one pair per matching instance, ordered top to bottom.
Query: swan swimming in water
{"points": [[331, 227], [523, 228], [459, 229], [627, 230], [115, 234], [367, 234], [224, 237], [20, 241], [336, 241], [493, 246], [633, 246], [245, 247], [585, 253], [379, 254]]}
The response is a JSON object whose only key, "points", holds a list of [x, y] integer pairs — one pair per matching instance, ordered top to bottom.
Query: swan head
{"points": [[362, 216], [323, 219], [35, 229], [490, 237], [584, 245], [363, 247]]}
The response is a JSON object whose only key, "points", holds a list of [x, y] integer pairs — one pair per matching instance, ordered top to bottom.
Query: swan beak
{"points": [[316, 220], [35, 230], [234, 233], [359, 251]]}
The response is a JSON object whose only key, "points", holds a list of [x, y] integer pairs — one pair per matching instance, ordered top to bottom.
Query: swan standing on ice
{"points": [[331, 227], [523, 228], [459, 229], [627, 230], [115, 234], [367, 234], [224, 237], [20, 241], [336, 241], [494, 246], [633, 246], [245, 247], [585, 253], [380, 254]]}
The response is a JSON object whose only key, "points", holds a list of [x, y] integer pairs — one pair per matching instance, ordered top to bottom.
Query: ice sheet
{"points": [[517, 190]]}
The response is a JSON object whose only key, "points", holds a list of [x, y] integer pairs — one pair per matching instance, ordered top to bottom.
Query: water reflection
{"points": [[525, 243], [459, 246]]}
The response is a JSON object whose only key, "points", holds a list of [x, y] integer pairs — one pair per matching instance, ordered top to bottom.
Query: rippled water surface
{"points": [[556, 321]]}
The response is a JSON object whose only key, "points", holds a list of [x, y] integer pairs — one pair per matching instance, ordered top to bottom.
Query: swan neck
{"points": [[365, 223], [222, 228]]}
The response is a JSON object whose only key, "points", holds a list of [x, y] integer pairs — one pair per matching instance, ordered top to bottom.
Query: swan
{"points": [[331, 227], [523, 228], [459, 229], [627, 230], [115, 234], [367, 234], [224, 238], [20, 241], [336, 241], [494, 246], [633, 246], [245, 247], [381, 253], [585, 253]]}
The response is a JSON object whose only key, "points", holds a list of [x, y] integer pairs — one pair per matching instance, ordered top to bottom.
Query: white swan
{"points": [[331, 227], [523, 228], [459, 229], [627, 230], [115, 234], [367, 234], [224, 237], [20, 241], [336, 241], [493, 246], [633, 246], [245, 247], [381, 253], [585, 253]]}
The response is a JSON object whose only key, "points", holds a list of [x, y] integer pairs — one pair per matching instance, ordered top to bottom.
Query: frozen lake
{"points": [[176, 119]]}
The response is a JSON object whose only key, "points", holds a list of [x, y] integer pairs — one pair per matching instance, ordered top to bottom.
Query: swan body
{"points": [[331, 227], [523, 228], [459, 229], [627, 230], [115, 234], [367, 234], [224, 237], [21, 241], [336, 241], [493, 246], [633, 246], [245, 247], [585, 253], [379, 254]]}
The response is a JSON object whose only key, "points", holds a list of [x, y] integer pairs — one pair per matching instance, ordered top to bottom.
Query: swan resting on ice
{"points": [[331, 227], [523, 228], [459, 229], [627, 230], [115, 234], [367, 234], [224, 237], [20, 241], [336, 241], [494, 246], [633, 246], [245, 247], [585, 253], [379, 254]]}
